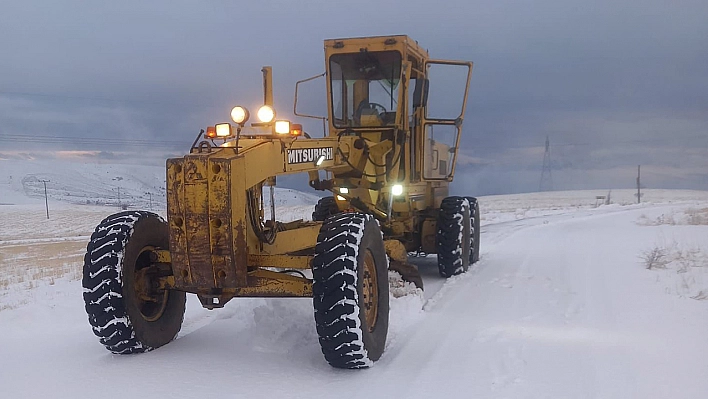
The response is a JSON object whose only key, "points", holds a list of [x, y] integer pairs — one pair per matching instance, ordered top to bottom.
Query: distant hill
{"points": [[109, 184]]}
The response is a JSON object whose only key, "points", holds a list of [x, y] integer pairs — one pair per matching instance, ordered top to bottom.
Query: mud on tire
{"points": [[325, 208], [453, 236], [350, 290], [123, 322]]}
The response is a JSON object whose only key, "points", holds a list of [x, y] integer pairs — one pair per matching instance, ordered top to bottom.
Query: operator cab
{"points": [[365, 88], [388, 89]]}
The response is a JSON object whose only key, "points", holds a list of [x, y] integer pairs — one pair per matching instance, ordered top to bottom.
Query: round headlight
{"points": [[266, 114], [239, 115], [397, 189]]}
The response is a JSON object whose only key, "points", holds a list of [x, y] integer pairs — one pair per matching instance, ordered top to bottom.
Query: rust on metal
{"points": [[219, 209], [175, 220], [196, 220], [202, 249], [396, 250], [240, 254], [160, 256], [166, 283], [261, 283], [269, 283]]}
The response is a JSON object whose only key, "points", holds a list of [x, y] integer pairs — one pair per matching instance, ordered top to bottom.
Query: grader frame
{"points": [[389, 175], [214, 250]]}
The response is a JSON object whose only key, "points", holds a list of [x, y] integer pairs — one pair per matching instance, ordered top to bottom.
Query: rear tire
{"points": [[325, 208], [475, 229], [453, 236], [350, 290], [123, 321]]}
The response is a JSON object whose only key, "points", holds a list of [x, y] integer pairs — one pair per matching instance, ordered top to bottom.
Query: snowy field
{"points": [[571, 299]]}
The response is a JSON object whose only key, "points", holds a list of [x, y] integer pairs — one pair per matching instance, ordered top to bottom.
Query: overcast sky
{"points": [[613, 84]]}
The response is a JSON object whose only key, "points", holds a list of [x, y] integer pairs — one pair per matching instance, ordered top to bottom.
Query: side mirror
{"points": [[420, 93]]}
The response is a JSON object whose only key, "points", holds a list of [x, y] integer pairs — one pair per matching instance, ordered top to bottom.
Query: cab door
{"points": [[445, 97]]}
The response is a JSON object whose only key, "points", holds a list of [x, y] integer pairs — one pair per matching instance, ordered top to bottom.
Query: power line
{"points": [[104, 99], [42, 139], [152, 142], [595, 143]]}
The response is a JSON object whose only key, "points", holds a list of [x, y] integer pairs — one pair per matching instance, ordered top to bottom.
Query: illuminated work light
{"points": [[239, 114], [266, 114], [282, 127], [296, 129], [223, 130], [397, 189], [344, 190]]}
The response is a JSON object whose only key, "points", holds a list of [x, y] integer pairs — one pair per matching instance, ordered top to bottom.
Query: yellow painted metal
{"points": [[407, 47], [454, 122], [428, 236], [293, 240], [395, 250], [217, 251], [161, 256], [280, 261], [167, 282], [268, 283], [370, 291]]}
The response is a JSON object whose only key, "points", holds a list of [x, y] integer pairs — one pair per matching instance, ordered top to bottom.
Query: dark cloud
{"points": [[613, 84]]}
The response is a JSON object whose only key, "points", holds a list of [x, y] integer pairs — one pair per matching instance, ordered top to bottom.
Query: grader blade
{"points": [[408, 271]]}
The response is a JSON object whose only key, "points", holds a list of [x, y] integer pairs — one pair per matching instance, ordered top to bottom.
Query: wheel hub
{"points": [[370, 291], [150, 301]]}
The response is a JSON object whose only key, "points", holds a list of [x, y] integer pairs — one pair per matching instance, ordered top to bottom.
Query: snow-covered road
{"points": [[560, 306], [561, 309]]}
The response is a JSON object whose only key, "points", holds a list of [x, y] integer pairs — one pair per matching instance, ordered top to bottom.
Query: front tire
{"points": [[453, 236], [350, 290], [123, 317]]}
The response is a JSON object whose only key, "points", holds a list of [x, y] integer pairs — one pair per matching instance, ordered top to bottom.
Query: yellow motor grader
{"points": [[386, 159]]}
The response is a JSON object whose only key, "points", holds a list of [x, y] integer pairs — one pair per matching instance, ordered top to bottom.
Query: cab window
{"points": [[365, 88]]}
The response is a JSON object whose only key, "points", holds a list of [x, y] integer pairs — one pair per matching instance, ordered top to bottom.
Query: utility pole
{"points": [[546, 178], [639, 184], [150, 195], [46, 201]]}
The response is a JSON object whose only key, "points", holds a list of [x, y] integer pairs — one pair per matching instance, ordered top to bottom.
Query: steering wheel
{"points": [[380, 110]]}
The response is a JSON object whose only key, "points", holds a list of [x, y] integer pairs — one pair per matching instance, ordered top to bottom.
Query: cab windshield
{"points": [[365, 88]]}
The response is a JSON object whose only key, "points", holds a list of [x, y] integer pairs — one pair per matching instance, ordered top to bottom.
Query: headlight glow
{"points": [[239, 114], [266, 114], [282, 127], [223, 130], [397, 189], [344, 190], [339, 197]]}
